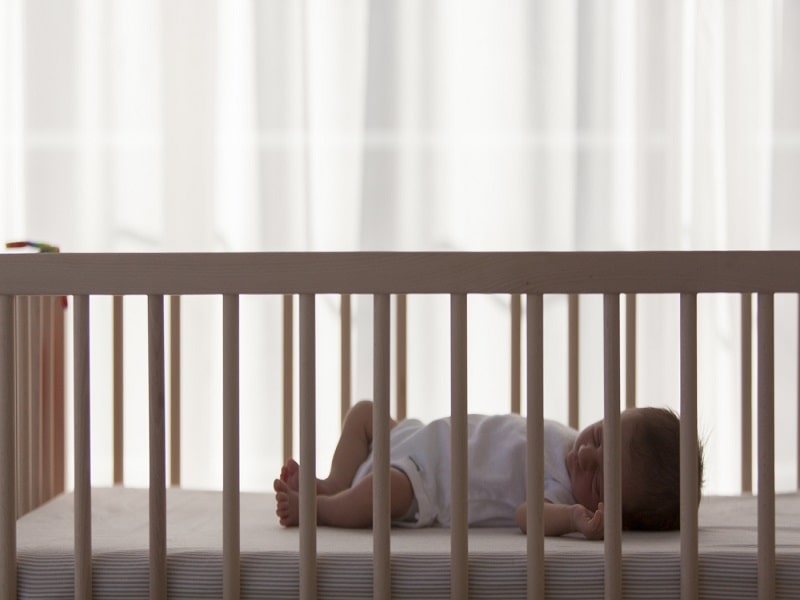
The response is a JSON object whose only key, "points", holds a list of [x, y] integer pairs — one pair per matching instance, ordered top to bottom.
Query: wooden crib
{"points": [[381, 275]]}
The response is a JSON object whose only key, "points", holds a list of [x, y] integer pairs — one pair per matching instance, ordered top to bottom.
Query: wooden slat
{"points": [[401, 272], [630, 350], [346, 356], [401, 357], [573, 360], [18, 371], [746, 374], [288, 376], [516, 377], [58, 384], [119, 386], [175, 391], [23, 394], [35, 399], [17, 410], [766, 447], [688, 448], [308, 449], [230, 450], [535, 461], [612, 464], [83, 471], [47, 474], [158, 480], [8, 491], [381, 508], [459, 551]]}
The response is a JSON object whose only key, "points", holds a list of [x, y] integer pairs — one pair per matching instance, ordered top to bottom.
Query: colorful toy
{"points": [[41, 246]]}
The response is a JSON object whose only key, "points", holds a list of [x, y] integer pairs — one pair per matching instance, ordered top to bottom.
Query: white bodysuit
{"points": [[496, 454]]}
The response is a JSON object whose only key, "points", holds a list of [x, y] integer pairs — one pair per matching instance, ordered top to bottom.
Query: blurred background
{"points": [[257, 125]]}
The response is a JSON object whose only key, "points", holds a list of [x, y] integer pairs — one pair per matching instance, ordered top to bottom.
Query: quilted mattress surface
{"points": [[420, 558]]}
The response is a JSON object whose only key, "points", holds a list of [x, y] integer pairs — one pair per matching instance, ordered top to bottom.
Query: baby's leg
{"points": [[354, 445], [352, 450], [351, 507]]}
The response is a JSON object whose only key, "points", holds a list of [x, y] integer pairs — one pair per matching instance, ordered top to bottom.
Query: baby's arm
{"points": [[566, 518]]}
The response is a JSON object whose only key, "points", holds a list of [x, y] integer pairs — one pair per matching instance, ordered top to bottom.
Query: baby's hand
{"points": [[589, 523]]}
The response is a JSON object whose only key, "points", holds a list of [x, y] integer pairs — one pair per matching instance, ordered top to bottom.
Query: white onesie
{"points": [[496, 454]]}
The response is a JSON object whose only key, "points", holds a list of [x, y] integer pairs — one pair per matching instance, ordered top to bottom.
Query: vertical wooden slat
{"points": [[516, 320], [118, 344], [630, 350], [346, 356], [402, 361], [746, 373], [35, 374], [288, 376], [573, 377], [58, 384], [175, 391], [798, 392], [47, 398], [23, 399], [17, 408], [230, 426], [535, 431], [688, 447], [766, 447], [18, 449], [308, 449], [612, 465], [8, 466], [83, 471], [43, 474], [158, 481], [381, 507], [459, 551]]}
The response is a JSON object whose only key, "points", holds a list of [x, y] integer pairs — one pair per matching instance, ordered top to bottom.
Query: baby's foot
{"points": [[290, 475], [286, 502]]}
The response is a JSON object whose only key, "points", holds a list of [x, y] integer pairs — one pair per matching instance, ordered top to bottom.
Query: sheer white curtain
{"points": [[137, 125]]}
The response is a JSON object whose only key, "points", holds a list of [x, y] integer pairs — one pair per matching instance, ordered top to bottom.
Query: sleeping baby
{"points": [[573, 466]]}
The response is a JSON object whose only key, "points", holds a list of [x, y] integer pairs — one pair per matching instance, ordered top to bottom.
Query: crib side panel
{"points": [[11, 357]]}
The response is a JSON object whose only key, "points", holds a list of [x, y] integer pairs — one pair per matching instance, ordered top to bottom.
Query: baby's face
{"points": [[585, 462]]}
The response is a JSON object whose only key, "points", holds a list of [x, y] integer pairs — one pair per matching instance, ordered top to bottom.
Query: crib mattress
{"points": [[420, 558]]}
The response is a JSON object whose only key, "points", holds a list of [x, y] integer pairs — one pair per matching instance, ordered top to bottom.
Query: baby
{"points": [[573, 462]]}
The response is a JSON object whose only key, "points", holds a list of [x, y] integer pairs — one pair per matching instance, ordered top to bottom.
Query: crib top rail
{"points": [[400, 272]]}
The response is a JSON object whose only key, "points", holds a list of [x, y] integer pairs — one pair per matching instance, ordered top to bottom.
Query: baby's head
{"points": [[650, 468]]}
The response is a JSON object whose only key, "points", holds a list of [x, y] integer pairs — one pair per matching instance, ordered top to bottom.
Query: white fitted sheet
{"points": [[420, 558]]}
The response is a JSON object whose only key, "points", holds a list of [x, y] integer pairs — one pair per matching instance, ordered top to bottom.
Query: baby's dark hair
{"points": [[656, 448]]}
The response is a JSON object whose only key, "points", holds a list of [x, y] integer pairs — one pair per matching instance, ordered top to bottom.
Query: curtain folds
{"points": [[248, 125]]}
